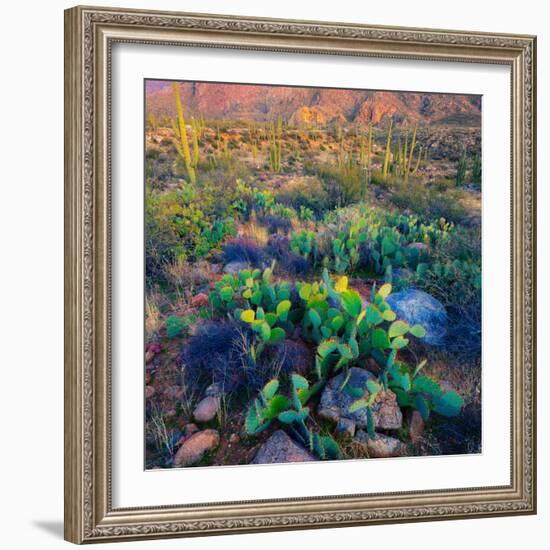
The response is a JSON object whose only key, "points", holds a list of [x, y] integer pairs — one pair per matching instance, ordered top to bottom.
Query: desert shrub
{"points": [[158, 168], [220, 185], [342, 185], [306, 192], [429, 202], [275, 224], [177, 227], [161, 241], [242, 249], [277, 249], [294, 264], [152, 317], [175, 326], [220, 352], [294, 357]]}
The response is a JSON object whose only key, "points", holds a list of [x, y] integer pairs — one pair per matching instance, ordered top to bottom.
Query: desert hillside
{"points": [[303, 106]]}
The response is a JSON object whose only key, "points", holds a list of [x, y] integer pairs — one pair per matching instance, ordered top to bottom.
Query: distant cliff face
{"points": [[312, 105]]}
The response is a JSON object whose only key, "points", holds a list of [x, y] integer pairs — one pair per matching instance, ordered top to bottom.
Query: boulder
{"points": [[233, 268], [200, 300], [416, 306], [215, 390], [335, 402], [207, 409], [345, 427], [384, 446], [195, 447], [281, 448]]}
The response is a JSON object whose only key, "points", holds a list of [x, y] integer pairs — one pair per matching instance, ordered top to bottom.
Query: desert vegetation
{"points": [[313, 280]]}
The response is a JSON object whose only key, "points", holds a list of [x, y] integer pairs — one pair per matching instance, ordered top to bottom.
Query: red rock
{"points": [[200, 300], [416, 427], [194, 448]]}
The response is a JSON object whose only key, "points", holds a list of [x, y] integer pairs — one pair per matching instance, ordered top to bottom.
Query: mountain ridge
{"points": [[320, 106]]}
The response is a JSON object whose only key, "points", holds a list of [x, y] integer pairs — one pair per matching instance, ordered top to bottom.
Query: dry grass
{"points": [[253, 230], [182, 274], [152, 316], [162, 436]]}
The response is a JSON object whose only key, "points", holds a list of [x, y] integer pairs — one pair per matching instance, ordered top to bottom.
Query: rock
{"points": [[233, 268], [200, 300], [417, 306], [154, 347], [149, 356], [214, 390], [149, 392], [174, 392], [335, 403], [207, 409], [416, 426], [345, 427], [189, 430], [361, 438], [384, 446], [195, 447], [280, 448]]}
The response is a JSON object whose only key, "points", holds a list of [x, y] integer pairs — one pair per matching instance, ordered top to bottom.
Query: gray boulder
{"points": [[233, 268], [416, 306], [335, 403], [207, 409], [384, 446], [281, 448]]}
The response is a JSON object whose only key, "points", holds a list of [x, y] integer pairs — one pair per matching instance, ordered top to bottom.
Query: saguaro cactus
{"points": [[182, 145], [275, 145], [387, 155]]}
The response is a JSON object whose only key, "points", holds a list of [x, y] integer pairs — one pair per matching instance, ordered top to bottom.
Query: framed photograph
{"points": [[300, 274]]}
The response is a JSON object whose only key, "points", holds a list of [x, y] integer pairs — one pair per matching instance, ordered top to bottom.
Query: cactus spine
{"points": [[181, 131]]}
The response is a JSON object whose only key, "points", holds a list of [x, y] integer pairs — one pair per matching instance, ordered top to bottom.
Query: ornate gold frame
{"points": [[89, 35]]}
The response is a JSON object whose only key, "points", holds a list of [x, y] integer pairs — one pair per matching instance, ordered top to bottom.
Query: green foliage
{"points": [[182, 144], [276, 146], [387, 154], [461, 170], [476, 170], [306, 214], [177, 226], [304, 243], [345, 248], [175, 326], [346, 333], [422, 392], [265, 408], [292, 413]]}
